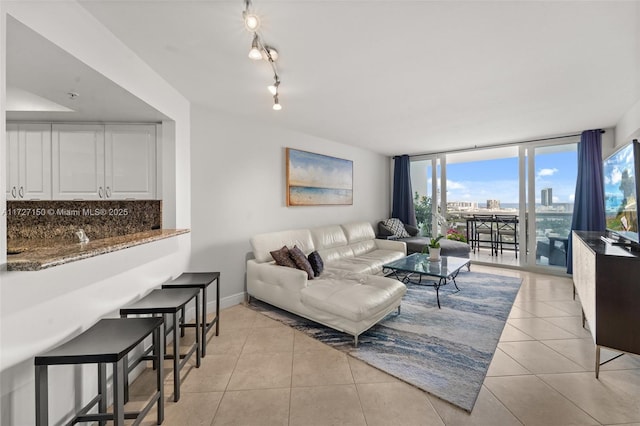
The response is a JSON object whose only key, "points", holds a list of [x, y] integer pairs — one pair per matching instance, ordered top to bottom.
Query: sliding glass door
{"points": [[482, 183], [552, 184]]}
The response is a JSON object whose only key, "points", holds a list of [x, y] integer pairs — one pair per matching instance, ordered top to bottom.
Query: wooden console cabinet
{"points": [[607, 279]]}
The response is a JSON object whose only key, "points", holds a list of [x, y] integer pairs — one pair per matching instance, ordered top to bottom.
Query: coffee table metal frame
{"points": [[446, 270]]}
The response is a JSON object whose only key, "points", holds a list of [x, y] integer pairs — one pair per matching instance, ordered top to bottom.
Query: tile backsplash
{"points": [[99, 219]]}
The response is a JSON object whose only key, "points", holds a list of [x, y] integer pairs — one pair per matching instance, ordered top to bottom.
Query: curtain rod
{"points": [[500, 145]]}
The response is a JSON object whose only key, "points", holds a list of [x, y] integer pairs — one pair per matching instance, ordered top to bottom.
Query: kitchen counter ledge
{"points": [[37, 255]]}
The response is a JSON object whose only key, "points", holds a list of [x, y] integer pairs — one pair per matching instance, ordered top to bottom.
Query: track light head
{"points": [[251, 21], [255, 52], [270, 54], [273, 88], [276, 103]]}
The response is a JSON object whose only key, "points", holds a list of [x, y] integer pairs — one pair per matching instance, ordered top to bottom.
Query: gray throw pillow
{"points": [[412, 230], [384, 231], [282, 257], [301, 261]]}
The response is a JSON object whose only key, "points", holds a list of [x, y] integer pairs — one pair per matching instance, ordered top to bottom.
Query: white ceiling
{"points": [[398, 76]]}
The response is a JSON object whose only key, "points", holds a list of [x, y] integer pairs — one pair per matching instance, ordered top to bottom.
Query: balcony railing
{"points": [[552, 227]]}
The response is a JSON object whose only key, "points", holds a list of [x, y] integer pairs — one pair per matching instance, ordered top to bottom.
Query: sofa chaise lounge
{"points": [[415, 243], [350, 295]]}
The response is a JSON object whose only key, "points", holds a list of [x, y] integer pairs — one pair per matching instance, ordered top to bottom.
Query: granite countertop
{"points": [[33, 255]]}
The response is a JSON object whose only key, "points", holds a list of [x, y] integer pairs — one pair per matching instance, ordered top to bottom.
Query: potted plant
{"points": [[433, 248]]}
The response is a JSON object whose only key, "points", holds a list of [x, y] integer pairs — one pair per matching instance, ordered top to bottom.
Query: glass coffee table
{"points": [[417, 265]]}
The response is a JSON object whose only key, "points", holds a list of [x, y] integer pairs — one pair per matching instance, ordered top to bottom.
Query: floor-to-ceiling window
{"points": [[424, 182], [481, 182], [532, 182], [554, 183]]}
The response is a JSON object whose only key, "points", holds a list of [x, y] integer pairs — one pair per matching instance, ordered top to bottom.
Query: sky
{"points": [[498, 179]]}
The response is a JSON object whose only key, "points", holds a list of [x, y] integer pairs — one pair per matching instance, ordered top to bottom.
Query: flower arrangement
{"points": [[454, 234]]}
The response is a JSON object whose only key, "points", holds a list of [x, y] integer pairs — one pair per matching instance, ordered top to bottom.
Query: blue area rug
{"points": [[445, 352]]}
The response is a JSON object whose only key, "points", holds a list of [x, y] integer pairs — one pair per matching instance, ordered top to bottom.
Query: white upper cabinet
{"points": [[28, 161], [130, 161], [12, 162], [78, 162], [98, 162]]}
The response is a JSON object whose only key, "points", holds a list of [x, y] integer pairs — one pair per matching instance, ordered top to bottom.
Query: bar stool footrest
{"points": [[104, 417]]}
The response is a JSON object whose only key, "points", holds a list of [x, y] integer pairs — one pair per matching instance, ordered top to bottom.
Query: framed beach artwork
{"points": [[316, 179]]}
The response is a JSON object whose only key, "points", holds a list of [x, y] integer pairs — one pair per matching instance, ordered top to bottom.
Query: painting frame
{"points": [[317, 179]]}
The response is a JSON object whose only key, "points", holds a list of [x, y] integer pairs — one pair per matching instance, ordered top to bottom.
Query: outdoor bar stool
{"points": [[484, 226], [507, 226], [471, 232], [200, 280], [166, 302], [107, 342]]}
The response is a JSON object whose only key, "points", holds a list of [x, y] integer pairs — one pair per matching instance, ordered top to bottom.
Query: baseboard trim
{"points": [[225, 302]]}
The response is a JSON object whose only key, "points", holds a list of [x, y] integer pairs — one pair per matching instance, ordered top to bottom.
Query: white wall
{"points": [[628, 127], [3, 147], [3, 183], [238, 190], [40, 309]]}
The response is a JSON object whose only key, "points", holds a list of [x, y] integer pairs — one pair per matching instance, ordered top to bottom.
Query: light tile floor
{"points": [[260, 372]]}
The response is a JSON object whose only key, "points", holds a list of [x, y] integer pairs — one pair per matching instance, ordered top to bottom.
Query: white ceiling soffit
{"points": [[36, 68], [399, 76], [21, 100]]}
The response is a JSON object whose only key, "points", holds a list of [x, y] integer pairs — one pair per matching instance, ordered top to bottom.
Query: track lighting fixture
{"points": [[260, 50]]}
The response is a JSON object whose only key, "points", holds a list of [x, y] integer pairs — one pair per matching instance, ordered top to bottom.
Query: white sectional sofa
{"points": [[351, 294]]}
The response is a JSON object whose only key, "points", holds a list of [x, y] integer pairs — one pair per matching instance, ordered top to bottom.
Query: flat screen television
{"points": [[621, 188]]}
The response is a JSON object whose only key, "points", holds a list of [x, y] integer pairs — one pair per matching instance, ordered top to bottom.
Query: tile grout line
{"points": [[293, 354], [511, 358], [355, 385], [226, 387], [566, 398], [503, 404]]}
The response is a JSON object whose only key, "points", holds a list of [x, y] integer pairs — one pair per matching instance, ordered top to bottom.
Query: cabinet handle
{"points": [[13, 192], [21, 192], [100, 192], [108, 192]]}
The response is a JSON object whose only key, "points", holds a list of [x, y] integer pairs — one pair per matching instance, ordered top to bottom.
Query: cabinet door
{"points": [[28, 161], [35, 161], [130, 161], [12, 162], [78, 162], [584, 280]]}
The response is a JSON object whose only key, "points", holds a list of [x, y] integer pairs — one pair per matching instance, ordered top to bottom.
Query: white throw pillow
{"points": [[396, 226]]}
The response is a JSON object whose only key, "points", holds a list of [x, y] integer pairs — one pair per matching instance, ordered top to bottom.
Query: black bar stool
{"points": [[484, 226], [507, 226], [200, 280], [165, 302], [107, 342]]}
